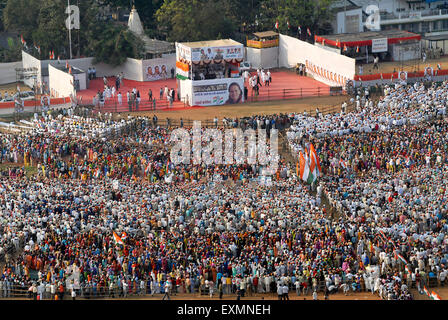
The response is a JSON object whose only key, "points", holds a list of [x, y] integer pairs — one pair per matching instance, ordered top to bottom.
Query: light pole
{"points": [[70, 31]]}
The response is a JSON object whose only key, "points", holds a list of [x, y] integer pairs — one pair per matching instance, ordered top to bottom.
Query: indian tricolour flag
{"points": [[182, 70], [304, 167], [315, 168], [117, 239], [399, 256], [408, 270], [426, 291], [435, 296]]}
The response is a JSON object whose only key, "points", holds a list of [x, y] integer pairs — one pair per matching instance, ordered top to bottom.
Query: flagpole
{"points": [[70, 31]]}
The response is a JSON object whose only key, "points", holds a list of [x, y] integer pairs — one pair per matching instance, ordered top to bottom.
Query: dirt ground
{"points": [[412, 65], [249, 109], [441, 291], [359, 296]]}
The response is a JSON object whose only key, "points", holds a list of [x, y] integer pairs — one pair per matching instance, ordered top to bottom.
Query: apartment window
{"points": [[444, 24], [425, 26]]}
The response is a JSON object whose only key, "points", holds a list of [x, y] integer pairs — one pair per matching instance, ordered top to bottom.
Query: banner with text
{"points": [[379, 45], [217, 53], [218, 92]]}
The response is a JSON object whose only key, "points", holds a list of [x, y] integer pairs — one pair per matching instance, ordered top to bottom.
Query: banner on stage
{"points": [[379, 45], [219, 92]]}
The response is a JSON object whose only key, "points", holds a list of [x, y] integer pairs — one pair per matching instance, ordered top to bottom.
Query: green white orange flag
{"points": [[182, 70], [315, 164], [304, 168], [117, 239], [426, 291], [435, 296]]}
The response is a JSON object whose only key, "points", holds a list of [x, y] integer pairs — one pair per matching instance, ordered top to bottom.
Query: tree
{"points": [[146, 9], [307, 14], [20, 16], [194, 20], [51, 32], [112, 44], [13, 52]]}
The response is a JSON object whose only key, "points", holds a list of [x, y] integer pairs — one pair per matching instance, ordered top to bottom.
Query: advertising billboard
{"points": [[218, 92]]}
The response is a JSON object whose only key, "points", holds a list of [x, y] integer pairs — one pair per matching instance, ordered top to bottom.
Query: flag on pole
{"points": [[287, 23], [276, 25], [308, 31], [22, 40], [345, 48], [38, 49], [357, 49], [66, 64], [315, 164], [304, 168], [117, 239], [399, 256], [408, 270], [426, 291], [435, 296]]}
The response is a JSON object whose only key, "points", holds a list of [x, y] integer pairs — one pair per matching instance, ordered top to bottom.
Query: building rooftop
{"points": [[265, 34], [369, 35], [212, 43], [155, 46], [62, 67]]}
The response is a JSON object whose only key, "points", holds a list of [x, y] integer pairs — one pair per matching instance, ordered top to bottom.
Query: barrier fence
{"points": [[265, 94], [196, 287]]}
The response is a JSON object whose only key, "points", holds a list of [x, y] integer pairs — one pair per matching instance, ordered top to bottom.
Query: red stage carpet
{"points": [[284, 85]]}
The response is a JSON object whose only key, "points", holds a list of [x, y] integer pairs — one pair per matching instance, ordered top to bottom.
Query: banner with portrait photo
{"points": [[183, 53], [217, 53], [156, 72], [403, 76], [218, 92]]}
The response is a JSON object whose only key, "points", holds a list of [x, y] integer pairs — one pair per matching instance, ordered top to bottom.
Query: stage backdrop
{"points": [[325, 66]]}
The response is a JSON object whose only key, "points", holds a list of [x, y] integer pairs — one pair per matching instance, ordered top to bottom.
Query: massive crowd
{"points": [[108, 213]]}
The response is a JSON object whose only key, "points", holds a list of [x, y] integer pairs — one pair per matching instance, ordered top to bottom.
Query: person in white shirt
{"points": [[120, 99], [280, 290], [285, 291]]}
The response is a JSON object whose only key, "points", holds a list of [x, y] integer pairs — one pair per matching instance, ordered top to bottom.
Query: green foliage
{"points": [[146, 9], [307, 14], [21, 15], [194, 20], [43, 22], [51, 33], [114, 44], [13, 53]]}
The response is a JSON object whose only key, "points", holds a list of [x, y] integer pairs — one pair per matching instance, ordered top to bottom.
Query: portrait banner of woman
{"points": [[235, 94]]}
